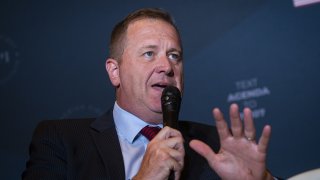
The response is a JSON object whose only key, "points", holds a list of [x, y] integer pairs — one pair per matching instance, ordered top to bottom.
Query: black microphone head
{"points": [[171, 98], [170, 103]]}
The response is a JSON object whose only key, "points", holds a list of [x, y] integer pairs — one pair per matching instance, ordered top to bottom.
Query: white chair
{"points": [[307, 175]]}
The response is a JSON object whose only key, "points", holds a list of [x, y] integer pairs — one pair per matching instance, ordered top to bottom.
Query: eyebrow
{"points": [[149, 47], [156, 47], [143, 48], [175, 50]]}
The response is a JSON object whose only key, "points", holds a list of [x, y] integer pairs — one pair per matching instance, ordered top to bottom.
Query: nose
{"points": [[164, 66]]}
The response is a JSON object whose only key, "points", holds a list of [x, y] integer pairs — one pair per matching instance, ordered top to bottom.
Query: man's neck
{"points": [[147, 116]]}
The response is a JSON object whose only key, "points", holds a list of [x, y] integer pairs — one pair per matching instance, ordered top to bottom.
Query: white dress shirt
{"points": [[133, 144]]}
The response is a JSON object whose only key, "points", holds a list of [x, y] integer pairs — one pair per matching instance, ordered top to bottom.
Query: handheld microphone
{"points": [[170, 103]]}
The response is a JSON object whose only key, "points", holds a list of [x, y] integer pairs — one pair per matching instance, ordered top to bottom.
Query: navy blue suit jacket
{"points": [[90, 149]]}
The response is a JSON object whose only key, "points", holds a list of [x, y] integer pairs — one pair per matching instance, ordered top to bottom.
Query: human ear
{"points": [[112, 68]]}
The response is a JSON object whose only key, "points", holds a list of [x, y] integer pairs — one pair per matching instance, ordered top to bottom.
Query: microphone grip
{"points": [[170, 119]]}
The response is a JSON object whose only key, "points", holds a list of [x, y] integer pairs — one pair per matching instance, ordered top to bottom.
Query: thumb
{"points": [[203, 149]]}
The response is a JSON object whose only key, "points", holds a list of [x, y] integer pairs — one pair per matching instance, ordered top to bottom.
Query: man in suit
{"points": [[146, 56]]}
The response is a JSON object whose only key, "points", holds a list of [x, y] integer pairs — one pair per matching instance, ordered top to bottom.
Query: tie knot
{"points": [[150, 132]]}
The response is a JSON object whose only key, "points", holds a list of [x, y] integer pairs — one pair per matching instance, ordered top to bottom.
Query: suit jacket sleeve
{"points": [[75, 149], [47, 154]]}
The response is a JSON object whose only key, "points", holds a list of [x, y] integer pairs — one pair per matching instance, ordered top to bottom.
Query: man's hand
{"points": [[164, 154], [240, 156]]}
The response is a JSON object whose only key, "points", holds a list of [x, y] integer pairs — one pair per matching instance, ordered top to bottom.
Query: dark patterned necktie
{"points": [[150, 132]]}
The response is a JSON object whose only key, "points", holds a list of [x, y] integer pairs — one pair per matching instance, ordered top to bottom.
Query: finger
{"points": [[221, 124], [236, 125], [249, 129], [167, 132], [173, 138], [264, 139], [174, 143], [173, 146], [204, 150], [177, 155], [164, 157], [171, 166], [175, 167], [177, 174]]}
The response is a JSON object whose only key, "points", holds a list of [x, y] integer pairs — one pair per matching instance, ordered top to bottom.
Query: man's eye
{"points": [[148, 54], [174, 57]]}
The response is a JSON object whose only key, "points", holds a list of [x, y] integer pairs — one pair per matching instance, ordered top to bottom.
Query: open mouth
{"points": [[159, 86]]}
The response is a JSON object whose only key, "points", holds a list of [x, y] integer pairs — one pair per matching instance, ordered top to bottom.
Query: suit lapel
{"points": [[105, 137]]}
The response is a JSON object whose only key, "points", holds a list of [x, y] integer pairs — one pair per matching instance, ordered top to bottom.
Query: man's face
{"points": [[152, 59]]}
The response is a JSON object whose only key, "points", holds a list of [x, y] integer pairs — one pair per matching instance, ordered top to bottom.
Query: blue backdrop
{"points": [[261, 54]]}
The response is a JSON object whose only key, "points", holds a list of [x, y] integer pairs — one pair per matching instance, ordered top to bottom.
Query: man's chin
{"points": [[155, 105], [157, 110]]}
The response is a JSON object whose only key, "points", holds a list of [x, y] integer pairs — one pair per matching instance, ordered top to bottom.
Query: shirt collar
{"points": [[127, 124]]}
